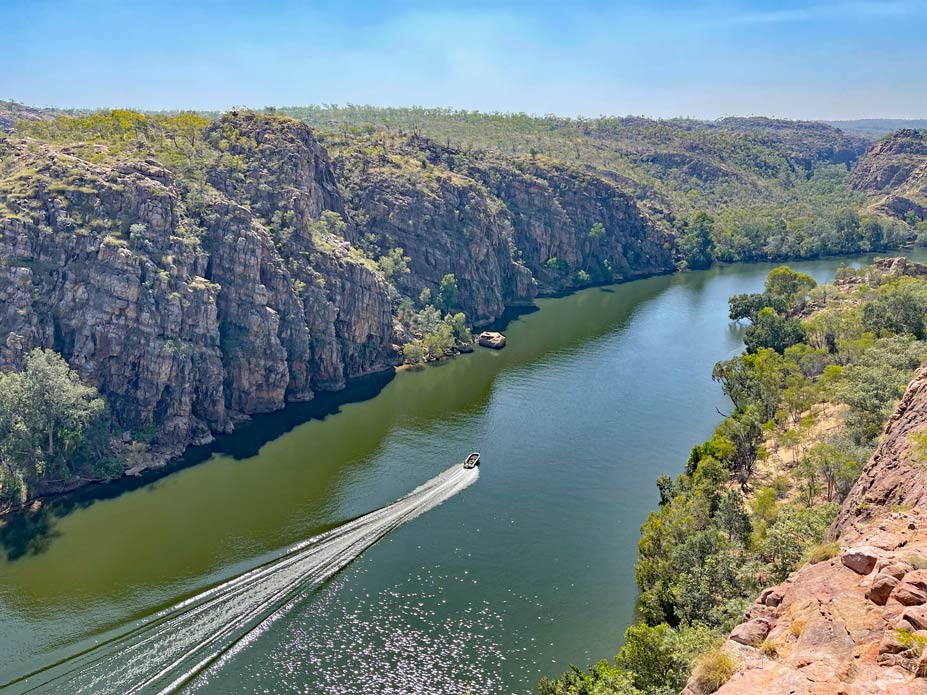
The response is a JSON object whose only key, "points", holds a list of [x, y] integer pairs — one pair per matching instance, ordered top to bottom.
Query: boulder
{"points": [[492, 339], [861, 559], [894, 569], [880, 589], [912, 590], [772, 597], [916, 616], [751, 633], [892, 643]]}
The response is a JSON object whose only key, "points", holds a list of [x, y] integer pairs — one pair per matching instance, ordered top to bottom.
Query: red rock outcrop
{"points": [[855, 624]]}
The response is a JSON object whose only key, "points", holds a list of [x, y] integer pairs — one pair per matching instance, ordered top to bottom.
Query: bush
{"points": [[394, 265], [773, 331], [712, 670], [601, 679]]}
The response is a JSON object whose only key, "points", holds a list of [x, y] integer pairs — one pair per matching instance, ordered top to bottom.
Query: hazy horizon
{"points": [[800, 59], [252, 107]]}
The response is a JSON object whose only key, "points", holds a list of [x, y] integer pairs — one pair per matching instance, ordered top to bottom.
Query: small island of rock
{"points": [[492, 339]]}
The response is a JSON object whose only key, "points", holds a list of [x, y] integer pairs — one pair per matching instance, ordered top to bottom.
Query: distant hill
{"points": [[12, 111], [877, 127], [893, 172]]}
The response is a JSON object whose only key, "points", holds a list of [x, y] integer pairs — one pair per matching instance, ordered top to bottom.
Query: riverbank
{"points": [[756, 499]]}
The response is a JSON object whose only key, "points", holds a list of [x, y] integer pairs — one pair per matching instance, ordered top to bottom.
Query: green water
{"points": [[529, 569]]}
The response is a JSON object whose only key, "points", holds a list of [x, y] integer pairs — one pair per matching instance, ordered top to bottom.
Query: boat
{"points": [[472, 461]]}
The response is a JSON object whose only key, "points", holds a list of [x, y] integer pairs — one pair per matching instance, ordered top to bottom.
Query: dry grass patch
{"points": [[822, 552], [712, 670]]}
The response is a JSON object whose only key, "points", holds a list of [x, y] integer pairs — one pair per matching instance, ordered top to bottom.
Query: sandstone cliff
{"points": [[894, 173], [506, 229], [198, 272], [177, 300], [855, 624]]}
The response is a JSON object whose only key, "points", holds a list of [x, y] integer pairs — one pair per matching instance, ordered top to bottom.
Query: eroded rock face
{"points": [[894, 172], [445, 224], [573, 228], [506, 230], [245, 277], [190, 314], [893, 476], [852, 624]]}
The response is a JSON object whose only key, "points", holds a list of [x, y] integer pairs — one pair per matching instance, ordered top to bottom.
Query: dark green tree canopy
{"points": [[773, 331], [52, 426]]}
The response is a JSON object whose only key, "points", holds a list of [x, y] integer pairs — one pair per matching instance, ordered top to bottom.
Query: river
{"points": [[517, 575]]}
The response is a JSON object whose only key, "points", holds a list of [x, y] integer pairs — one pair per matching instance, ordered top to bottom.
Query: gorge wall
{"points": [[893, 172], [235, 269]]}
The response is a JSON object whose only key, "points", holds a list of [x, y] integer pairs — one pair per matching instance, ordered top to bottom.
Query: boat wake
{"points": [[178, 644]]}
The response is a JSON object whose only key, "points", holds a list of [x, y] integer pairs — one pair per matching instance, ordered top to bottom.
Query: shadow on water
{"points": [[509, 315], [31, 531]]}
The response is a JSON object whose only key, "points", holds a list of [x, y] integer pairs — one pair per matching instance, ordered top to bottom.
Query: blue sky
{"points": [[797, 59]]}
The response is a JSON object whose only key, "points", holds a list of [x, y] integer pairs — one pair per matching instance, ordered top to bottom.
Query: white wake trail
{"points": [[169, 651]]}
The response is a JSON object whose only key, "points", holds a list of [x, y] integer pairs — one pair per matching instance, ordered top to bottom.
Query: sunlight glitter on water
{"points": [[346, 641], [171, 651]]}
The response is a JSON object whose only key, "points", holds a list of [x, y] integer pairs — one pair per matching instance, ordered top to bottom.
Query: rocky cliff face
{"points": [[894, 172], [445, 223], [572, 228], [505, 229], [203, 273], [178, 302], [855, 624]]}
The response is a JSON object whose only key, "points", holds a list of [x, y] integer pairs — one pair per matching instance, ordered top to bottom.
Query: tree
{"points": [[187, 124], [696, 245], [394, 264], [788, 286], [447, 292], [424, 297], [746, 306], [899, 308], [458, 323], [773, 331], [439, 342], [413, 353], [736, 379], [57, 401], [51, 423], [745, 433], [838, 468], [809, 477], [667, 489], [733, 518], [792, 534], [649, 654], [601, 679]]}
